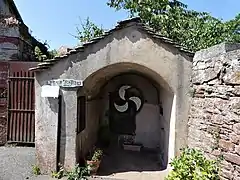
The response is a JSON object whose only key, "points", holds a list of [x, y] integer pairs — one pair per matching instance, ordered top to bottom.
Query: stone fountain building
{"points": [[140, 84]]}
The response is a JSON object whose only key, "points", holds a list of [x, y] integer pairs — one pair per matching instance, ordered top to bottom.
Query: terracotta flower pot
{"points": [[93, 166]]}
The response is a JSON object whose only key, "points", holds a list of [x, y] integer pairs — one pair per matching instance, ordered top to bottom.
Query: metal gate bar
{"points": [[21, 122]]}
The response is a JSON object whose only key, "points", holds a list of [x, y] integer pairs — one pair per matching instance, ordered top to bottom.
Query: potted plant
{"points": [[93, 162]]}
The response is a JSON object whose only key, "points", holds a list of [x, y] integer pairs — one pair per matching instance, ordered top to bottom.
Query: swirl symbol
{"points": [[122, 95]]}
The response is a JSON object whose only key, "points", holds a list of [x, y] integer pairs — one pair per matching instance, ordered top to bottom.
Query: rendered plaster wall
{"points": [[123, 51], [214, 119], [168, 120], [68, 128], [88, 137]]}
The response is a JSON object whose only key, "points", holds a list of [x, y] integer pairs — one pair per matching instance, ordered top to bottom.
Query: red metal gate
{"points": [[21, 104]]}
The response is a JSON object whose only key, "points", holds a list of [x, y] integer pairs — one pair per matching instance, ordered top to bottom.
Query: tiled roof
{"points": [[122, 24]]}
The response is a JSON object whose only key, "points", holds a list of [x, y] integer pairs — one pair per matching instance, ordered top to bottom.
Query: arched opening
{"points": [[129, 109]]}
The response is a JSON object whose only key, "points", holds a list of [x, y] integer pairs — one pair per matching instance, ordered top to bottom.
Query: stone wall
{"points": [[9, 33], [3, 101], [214, 121]]}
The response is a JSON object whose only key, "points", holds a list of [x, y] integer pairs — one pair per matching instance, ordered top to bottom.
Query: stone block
{"points": [[232, 75], [236, 91], [235, 105], [236, 128], [3, 130], [234, 138], [226, 145], [237, 149], [216, 152], [234, 158], [227, 165], [237, 168], [226, 174]]}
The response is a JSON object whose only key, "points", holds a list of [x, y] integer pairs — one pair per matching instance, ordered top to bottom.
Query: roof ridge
{"points": [[120, 25]]}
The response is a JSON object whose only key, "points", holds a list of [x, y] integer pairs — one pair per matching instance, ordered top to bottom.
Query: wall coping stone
{"points": [[216, 50]]}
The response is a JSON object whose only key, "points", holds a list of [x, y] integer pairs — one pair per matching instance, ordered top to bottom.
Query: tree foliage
{"points": [[171, 18], [88, 31], [52, 53], [48, 54], [39, 55]]}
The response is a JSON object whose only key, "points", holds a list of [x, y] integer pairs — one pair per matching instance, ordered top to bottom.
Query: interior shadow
{"points": [[152, 122], [62, 134], [150, 158], [117, 160]]}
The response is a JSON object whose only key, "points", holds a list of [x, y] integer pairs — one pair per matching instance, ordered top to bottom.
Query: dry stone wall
{"points": [[214, 117]]}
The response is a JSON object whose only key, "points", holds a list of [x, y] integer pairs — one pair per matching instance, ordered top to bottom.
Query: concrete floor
{"points": [[16, 163], [129, 165]]}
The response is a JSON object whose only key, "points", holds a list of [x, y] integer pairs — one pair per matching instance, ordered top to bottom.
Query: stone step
{"points": [[103, 178]]}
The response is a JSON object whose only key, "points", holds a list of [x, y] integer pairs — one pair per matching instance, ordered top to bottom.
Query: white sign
{"points": [[65, 83], [50, 91]]}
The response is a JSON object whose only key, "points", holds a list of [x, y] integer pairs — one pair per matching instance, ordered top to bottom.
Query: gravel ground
{"points": [[16, 162]]}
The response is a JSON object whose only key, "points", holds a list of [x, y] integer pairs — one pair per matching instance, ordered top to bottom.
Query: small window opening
{"points": [[81, 114]]}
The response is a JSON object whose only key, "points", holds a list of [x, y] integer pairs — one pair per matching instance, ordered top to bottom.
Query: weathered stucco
{"points": [[125, 50], [214, 118]]}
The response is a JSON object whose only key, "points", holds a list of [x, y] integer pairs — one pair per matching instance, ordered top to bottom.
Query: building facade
{"points": [[16, 45], [132, 77], [148, 91]]}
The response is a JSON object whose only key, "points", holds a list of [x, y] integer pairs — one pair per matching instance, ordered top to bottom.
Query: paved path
{"points": [[16, 162]]}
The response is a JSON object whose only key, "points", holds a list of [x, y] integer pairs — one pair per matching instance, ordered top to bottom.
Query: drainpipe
{"points": [[58, 132]]}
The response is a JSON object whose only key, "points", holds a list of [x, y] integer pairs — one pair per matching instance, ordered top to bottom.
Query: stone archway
{"points": [[124, 51], [151, 121]]}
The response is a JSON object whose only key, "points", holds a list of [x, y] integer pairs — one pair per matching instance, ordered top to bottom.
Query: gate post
{"points": [[46, 120], [68, 130]]}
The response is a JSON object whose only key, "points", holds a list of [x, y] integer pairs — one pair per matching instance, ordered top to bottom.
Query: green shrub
{"points": [[97, 155], [192, 165], [36, 170], [61, 173], [78, 173]]}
